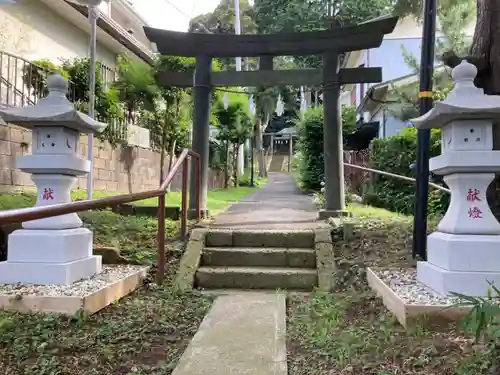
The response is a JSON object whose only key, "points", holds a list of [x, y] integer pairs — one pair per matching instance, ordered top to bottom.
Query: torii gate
{"points": [[328, 43]]}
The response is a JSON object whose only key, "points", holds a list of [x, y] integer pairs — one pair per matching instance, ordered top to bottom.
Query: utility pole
{"points": [[93, 15], [237, 30], [419, 246]]}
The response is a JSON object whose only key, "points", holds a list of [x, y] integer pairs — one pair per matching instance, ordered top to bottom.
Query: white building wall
{"points": [[129, 21], [410, 28], [33, 31], [345, 98]]}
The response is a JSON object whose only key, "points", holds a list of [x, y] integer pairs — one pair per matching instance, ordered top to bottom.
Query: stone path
{"points": [[278, 205], [245, 333], [242, 334]]}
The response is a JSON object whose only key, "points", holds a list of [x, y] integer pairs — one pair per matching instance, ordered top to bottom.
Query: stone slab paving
{"points": [[278, 205], [242, 334]]}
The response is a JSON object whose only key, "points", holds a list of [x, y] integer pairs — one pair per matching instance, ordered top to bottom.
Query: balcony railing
{"points": [[22, 82]]}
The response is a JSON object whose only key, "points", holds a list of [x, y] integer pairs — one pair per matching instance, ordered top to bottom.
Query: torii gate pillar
{"points": [[201, 130], [332, 139]]}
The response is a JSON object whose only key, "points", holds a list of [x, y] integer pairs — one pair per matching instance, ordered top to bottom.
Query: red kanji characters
{"points": [[48, 194], [473, 195], [475, 213]]}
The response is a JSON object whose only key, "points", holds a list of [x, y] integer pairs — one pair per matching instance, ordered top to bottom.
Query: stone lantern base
{"points": [[49, 257], [464, 264]]}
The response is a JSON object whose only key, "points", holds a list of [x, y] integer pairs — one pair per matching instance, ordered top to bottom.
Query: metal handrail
{"points": [[404, 178], [35, 213]]}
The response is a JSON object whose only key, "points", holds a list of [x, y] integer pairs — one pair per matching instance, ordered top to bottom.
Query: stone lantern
{"points": [[56, 250], [463, 255]]}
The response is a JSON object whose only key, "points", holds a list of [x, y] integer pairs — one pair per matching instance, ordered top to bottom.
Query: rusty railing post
{"points": [[198, 186], [184, 205], [160, 255]]}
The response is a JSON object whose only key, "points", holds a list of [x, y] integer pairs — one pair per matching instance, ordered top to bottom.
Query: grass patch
{"points": [[217, 199], [135, 236], [349, 331], [144, 333]]}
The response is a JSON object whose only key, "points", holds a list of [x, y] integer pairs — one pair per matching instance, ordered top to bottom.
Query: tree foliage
{"points": [[272, 16], [221, 21], [136, 86], [107, 104], [234, 128], [310, 144], [395, 154]]}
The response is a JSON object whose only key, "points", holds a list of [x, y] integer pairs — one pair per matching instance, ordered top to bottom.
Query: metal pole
{"points": [[93, 16], [237, 31], [423, 136], [290, 153], [252, 183]]}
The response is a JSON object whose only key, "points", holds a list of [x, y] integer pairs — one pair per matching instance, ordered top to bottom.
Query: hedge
{"points": [[310, 144], [395, 154]]}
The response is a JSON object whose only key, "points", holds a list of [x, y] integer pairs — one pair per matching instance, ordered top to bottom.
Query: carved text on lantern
{"points": [[48, 194], [473, 195], [475, 213]]}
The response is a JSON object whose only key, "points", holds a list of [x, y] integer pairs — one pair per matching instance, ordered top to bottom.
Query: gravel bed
{"points": [[404, 283], [82, 288]]}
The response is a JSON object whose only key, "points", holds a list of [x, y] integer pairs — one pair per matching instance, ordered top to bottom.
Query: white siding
{"points": [[409, 28], [32, 30]]}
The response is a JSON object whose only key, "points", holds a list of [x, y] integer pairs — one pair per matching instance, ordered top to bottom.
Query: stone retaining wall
{"points": [[124, 169]]}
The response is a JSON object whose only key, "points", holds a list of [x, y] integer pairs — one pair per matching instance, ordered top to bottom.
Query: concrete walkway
{"points": [[278, 205], [245, 333], [242, 334]]}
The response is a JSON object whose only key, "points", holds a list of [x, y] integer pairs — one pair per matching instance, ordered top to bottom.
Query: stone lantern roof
{"points": [[465, 102], [54, 110]]}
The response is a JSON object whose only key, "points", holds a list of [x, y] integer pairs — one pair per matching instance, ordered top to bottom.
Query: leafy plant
{"points": [[77, 70], [35, 75], [136, 87], [234, 128], [310, 144], [395, 154], [484, 318]]}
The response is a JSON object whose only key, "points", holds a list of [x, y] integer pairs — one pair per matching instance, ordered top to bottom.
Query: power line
{"points": [[188, 17], [211, 32]]}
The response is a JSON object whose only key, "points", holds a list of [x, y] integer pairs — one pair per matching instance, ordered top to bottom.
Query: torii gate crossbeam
{"points": [[328, 43]]}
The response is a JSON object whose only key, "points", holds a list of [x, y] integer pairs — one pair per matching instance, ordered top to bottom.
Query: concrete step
{"points": [[303, 239], [258, 257], [256, 278]]}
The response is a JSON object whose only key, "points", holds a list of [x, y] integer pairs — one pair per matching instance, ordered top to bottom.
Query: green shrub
{"points": [[310, 145], [395, 154]]}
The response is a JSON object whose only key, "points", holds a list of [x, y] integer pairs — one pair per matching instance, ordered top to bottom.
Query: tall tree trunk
{"points": [[485, 54], [163, 145], [259, 145], [162, 165], [227, 165], [236, 172]]}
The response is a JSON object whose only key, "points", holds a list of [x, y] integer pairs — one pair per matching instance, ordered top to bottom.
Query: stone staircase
{"points": [[277, 163], [258, 260]]}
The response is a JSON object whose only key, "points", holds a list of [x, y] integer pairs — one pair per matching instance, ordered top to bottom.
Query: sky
{"points": [[173, 14]]}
